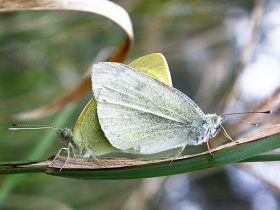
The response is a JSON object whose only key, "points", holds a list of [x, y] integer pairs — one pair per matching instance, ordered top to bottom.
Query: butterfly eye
{"points": [[63, 134]]}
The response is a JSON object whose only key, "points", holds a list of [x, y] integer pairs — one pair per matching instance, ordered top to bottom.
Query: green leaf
{"points": [[226, 154]]}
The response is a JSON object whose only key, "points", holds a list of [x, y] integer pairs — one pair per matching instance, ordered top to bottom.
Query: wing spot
{"points": [[140, 86], [124, 98]]}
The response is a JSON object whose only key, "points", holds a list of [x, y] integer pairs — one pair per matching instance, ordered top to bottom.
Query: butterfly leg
{"points": [[228, 136], [72, 149], [209, 149], [179, 152], [57, 154], [91, 154], [68, 155], [94, 157]]}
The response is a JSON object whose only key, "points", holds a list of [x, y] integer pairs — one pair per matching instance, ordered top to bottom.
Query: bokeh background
{"points": [[44, 54]]}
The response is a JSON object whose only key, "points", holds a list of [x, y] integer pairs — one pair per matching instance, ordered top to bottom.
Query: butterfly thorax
{"points": [[206, 129]]}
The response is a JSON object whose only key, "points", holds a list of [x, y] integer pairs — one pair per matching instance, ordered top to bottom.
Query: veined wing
{"points": [[155, 62], [103, 73], [140, 113], [88, 134]]}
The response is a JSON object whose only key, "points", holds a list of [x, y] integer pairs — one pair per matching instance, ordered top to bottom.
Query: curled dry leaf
{"points": [[101, 7]]}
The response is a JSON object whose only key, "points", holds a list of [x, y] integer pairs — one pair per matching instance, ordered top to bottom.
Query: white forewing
{"points": [[102, 74], [139, 113]]}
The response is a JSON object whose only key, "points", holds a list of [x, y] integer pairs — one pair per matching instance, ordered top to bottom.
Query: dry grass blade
{"points": [[101, 7], [82, 163], [129, 168]]}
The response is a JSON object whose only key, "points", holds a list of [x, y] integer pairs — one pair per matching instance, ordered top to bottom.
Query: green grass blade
{"points": [[263, 158], [128, 168]]}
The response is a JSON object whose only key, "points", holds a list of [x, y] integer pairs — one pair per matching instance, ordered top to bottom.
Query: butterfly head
{"points": [[214, 124], [64, 135]]}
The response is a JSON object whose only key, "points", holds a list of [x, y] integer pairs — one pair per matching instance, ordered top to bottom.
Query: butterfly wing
{"points": [[155, 62], [102, 74], [139, 113], [88, 134]]}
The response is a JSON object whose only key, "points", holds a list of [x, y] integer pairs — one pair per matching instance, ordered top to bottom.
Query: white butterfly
{"points": [[140, 114]]}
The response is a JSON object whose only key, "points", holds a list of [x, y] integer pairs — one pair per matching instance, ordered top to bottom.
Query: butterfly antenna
{"points": [[262, 112], [253, 124], [30, 127], [209, 149]]}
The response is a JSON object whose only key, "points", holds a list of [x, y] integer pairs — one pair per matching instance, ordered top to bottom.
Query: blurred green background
{"points": [[44, 54]]}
